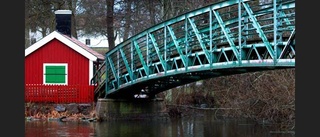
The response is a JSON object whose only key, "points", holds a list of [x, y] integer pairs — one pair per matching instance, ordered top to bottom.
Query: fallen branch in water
{"points": [[186, 106], [282, 132]]}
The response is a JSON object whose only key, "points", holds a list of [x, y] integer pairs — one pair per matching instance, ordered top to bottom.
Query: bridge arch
{"points": [[224, 38]]}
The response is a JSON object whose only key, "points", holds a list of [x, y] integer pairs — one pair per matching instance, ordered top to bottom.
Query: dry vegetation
{"points": [[267, 97], [47, 111]]}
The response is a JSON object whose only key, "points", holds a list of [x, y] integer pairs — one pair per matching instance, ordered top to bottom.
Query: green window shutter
{"points": [[55, 74]]}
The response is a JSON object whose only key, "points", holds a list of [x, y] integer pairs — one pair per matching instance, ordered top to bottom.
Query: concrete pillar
{"points": [[115, 109]]}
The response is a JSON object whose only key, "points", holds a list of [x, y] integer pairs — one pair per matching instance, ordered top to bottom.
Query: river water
{"points": [[174, 127]]}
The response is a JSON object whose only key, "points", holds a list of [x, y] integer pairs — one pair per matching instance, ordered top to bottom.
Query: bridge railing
{"points": [[225, 34], [99, 77]]}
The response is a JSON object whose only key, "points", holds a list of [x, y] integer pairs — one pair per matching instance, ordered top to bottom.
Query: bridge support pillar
{"points": [[117, 109]]}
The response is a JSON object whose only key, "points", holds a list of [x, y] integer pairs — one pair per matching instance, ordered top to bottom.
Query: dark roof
{"points": [[84, 46], [101, 50]]}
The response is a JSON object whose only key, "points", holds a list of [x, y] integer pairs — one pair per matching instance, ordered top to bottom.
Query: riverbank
{"points": [[267, 97], [60, 112], [86, 113]]}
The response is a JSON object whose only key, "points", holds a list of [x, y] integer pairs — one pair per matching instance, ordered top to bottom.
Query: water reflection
{"points": [[180, 127], [58, 129]]}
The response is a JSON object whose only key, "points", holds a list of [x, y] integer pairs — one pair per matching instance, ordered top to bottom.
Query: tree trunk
{"points": [[72, 7], [151, 9], [127, 20], [27, 25], [110, 30], [26, 37]]}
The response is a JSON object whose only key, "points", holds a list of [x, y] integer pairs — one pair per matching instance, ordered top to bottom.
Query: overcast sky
{"points": [[94, 41]]}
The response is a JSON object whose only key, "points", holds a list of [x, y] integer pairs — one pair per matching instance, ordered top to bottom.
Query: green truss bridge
{"points": [[224, 38]]}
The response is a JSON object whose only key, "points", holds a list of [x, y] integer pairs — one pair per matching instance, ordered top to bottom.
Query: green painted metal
{"points": [[259, 30], [196, 32], [226, 32], [224, 38], [174, 39], [288, 45], [156, 47], [241, 55], [142, 61], [126, 64], [111, 65]]}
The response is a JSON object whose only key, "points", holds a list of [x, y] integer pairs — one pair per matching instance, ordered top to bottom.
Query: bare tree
{"points": [[72, 6], [39, 16], [91, 18], [128, 19], [27, 26], [110, 30]]}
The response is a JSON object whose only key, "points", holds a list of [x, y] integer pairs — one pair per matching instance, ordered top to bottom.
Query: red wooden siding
{"points": [[57, 52], [59, 93]]}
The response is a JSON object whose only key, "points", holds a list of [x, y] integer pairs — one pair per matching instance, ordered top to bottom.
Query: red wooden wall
{"points": [[57, 52]]}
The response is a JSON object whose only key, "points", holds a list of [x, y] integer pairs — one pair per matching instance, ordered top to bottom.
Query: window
{"points": [[55, 73]]}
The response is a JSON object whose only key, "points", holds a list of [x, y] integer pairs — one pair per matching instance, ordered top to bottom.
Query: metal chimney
{"points": [[63, 21]]}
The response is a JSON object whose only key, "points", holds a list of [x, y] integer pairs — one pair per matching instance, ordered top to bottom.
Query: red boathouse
{"points": [[59, 68]]}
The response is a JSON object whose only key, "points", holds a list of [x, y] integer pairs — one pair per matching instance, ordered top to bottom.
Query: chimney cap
{"points": [[62, 12]]}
